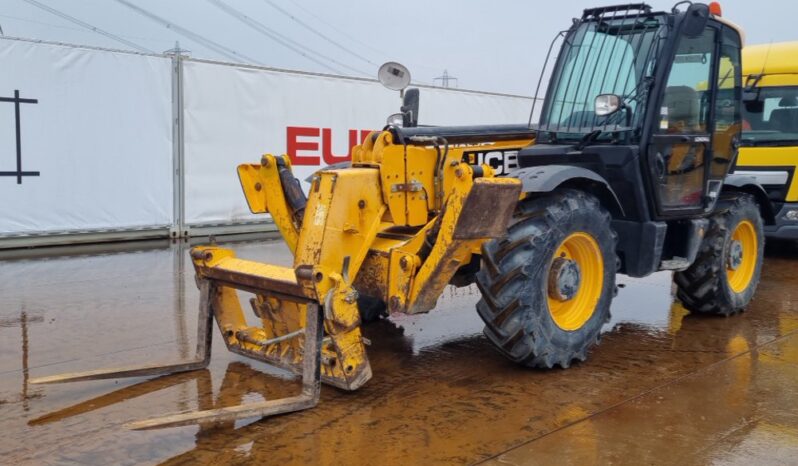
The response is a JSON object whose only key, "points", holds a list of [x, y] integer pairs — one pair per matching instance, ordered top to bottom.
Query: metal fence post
{"points": [[179, 228]]}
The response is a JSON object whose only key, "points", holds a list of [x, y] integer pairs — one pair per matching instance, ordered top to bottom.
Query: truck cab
{"points": [[769, 145]]}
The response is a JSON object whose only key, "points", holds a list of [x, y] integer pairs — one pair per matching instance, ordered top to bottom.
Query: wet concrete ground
{"points": [[663, 387]]}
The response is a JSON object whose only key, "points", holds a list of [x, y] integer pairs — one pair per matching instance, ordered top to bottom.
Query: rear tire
{"points": [[725, 274], [531, 316]]}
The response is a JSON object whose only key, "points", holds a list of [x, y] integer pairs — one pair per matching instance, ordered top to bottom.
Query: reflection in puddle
{"points": [[23, 321], [440, 392]]}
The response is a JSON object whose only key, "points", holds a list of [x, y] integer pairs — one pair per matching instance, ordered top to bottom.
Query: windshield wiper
{"points": [[725, 77], [589, 138]]}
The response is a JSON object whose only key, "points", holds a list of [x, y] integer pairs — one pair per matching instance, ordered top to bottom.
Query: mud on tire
{"points": [[514, 279], [705, 287]]}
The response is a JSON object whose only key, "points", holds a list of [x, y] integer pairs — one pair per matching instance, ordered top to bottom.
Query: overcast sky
{"points": [[496, 45]]}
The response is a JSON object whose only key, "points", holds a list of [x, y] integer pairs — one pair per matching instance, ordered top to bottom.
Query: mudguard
{"points": [[546, 178], [734, 179]]}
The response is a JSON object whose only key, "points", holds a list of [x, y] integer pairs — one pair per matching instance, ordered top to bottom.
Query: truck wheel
{"points": [[724, 276], [547, 286]]}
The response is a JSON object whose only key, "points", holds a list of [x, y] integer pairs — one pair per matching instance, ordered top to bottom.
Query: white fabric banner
{"points": [[233, 114], [96, 145]]}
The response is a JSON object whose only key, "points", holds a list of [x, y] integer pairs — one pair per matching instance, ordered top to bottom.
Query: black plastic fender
{"points": [[547, 178]]}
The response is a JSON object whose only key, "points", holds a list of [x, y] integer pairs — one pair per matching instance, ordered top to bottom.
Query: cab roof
{"points": [[769, 59]]}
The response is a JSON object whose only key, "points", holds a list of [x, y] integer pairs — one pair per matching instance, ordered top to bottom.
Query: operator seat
{"points": [[682, 105], [784, 120]]}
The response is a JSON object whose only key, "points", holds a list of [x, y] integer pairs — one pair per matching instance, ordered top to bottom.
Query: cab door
{"points": [[681, 141]]}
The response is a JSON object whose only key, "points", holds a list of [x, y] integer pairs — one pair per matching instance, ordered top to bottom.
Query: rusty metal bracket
{"points": [[412, 187]]}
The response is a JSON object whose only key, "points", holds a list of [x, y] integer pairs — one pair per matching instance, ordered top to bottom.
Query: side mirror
{"points": [[695, 19], [751, 95], [607, 104], [754, 106], [410, 107]]}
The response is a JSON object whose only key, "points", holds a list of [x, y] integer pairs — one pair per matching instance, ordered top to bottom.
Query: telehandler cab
{"points": [[623, 174]]}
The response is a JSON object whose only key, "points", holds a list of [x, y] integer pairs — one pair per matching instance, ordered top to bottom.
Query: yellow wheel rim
{"points": [[741, 260], [572, 302]]}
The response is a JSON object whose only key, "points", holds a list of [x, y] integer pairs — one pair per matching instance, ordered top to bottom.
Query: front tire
{"points": [[725, 274], [547, 286]]}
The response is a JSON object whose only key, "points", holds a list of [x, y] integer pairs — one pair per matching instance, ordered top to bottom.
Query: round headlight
{"points": [[397, 119]]}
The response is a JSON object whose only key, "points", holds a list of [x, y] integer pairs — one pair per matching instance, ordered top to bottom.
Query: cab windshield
{"points": [[602, 56], [771, 119]]}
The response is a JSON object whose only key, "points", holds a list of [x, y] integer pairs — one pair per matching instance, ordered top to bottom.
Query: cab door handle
{"points": [[681, 139]]}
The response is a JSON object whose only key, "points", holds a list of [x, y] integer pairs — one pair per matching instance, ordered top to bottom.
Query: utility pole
{"points": [[177, 50], [445, 79]]}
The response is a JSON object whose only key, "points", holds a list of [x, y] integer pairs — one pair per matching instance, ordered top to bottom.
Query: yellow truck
{"points": [[769, 145]]}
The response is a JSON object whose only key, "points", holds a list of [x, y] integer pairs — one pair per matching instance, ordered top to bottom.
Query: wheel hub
{"points": [[735, 254], [564, 279]]}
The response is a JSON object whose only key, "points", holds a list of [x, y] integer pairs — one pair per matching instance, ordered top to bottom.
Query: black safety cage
{"points": [[609, 50]]}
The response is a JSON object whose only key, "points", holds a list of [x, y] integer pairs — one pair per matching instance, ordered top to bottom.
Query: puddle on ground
{"points": [[440, 392]]}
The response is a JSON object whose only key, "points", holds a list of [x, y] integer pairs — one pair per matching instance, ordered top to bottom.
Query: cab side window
{"points": [[684, 109], [728, 123], [680, 164]]}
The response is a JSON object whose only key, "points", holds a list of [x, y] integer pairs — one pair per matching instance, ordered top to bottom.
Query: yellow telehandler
{"points": [[624, 173]]}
